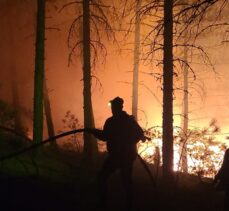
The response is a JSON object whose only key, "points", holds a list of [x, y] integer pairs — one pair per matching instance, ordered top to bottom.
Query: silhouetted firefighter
{"points": [[121, 132], [221, 180]]}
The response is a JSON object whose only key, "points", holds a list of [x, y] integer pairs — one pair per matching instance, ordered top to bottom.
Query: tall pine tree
{"points": [[39, 73], [167, 124], [90, 145]]}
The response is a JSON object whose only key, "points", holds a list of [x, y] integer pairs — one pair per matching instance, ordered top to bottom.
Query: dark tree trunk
{"points": [[136, 60], [39, 73], [48, 114], [184, 126], [167, 137], [90, 145], [184, 164]]}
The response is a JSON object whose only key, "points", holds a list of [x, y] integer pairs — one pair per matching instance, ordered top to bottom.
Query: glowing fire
{"points": [[203, 159], [205, 163]]}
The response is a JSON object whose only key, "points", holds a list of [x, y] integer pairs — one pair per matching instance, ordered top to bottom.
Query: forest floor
{"points": [[56, 181]]}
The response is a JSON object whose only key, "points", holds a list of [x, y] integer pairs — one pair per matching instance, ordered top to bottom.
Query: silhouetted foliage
{"points": [[7, 114], [74, 141], [204, 150]]}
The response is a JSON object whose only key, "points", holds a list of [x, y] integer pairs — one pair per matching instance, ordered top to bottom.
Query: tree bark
{"points": [[136, 60], [39, 73], [48, 113], [167, 136], [90, 144], [184, 164]]}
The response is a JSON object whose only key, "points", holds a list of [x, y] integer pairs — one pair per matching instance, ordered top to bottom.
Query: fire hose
{"points": [[33, 146]]}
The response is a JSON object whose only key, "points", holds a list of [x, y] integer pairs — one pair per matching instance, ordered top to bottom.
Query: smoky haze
{"points": [[208, 96]]}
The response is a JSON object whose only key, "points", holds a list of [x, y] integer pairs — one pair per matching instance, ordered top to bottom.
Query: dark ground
{"points": [[62, 185]]}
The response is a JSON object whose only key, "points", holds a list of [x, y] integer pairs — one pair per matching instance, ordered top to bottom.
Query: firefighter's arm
{"points": [[139, 131], [96, 132]]}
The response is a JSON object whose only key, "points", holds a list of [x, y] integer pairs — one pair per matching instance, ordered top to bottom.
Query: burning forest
{"points": [[94, 87]]}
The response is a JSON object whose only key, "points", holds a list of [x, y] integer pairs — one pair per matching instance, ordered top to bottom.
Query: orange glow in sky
{"points": [[208, 97]]}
